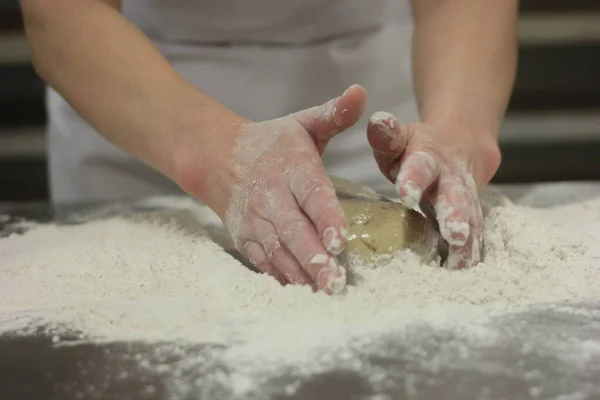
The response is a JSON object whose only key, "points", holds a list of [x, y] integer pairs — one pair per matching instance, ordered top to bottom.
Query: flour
{"points": [[157, 277]]}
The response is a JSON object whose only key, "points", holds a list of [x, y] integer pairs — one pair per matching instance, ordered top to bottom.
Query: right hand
{"points": [[442, 169], [270, 188]]}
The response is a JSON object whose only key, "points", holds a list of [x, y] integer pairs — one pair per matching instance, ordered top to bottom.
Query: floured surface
{"points": [[150, 279]]}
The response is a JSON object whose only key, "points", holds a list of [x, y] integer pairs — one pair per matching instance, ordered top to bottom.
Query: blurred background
{"points": [[552, 131]]}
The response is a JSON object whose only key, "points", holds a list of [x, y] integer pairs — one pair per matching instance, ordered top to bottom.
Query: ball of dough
{"points": [[346, 189], [378, 228]]}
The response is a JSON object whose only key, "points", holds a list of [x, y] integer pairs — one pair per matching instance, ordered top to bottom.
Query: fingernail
{"points": [[350, 88], [380, 118], [386, 123], [409, 192], [332, 241], [319, 259], [332, 279]]}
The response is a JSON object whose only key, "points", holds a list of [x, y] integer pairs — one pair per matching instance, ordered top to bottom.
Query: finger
{"points": [[325, 121], [385, 133], [388, 140], [417, 173], [316, 196], [455, 210], [429, 212], [460, 220], [318, 231], [297, 233], [460, 250], [467, 255], [257, 256], [279, 256]]}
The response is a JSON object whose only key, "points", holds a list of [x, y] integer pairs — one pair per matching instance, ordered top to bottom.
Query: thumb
{"points": [[327, 120], [388, 139]]}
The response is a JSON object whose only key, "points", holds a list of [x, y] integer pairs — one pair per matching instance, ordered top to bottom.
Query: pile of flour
{"points": [[157, 276]]}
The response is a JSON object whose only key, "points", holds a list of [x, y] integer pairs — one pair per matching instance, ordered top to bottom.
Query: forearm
{"points": [[464, 59], [114, 77]]}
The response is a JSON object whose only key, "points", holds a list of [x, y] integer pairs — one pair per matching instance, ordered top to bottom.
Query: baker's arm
{"points": [[464, 56], [464, 59], [113, 75], [265, 180]]}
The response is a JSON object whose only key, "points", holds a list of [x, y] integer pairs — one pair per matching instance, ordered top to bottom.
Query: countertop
{"points": [[547, 351]]}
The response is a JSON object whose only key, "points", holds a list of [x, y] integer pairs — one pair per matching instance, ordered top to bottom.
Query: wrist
{"points": [[463, 109], [483, 128], [479, 147], [490, 157], [199, 160]]}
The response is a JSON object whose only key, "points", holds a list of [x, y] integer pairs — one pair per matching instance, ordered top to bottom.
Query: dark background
{"points": [[552, 130]]}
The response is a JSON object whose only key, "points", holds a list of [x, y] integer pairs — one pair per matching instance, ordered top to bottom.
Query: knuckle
{"points": [[430, 151], [425, 159], [393, 166], [425, 166], [419, 167], [310, 191], [316, 198], [291, 228], [240, 241], [271, 245], [247, 247], [252, 251], [255, 255], [319, 262], [290, 277]]}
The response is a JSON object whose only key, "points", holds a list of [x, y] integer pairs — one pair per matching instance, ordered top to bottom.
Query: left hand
{"points": [[440, 168]]}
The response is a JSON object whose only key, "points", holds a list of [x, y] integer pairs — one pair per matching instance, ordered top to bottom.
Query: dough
{"points": [[346, 189], [378, 227]]}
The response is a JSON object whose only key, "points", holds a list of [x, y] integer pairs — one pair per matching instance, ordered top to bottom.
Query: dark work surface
{"points": [[545, 351], [538, 353]]}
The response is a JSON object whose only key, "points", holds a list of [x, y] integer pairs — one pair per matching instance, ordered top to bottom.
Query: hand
{"points": [[442, 170], [275, 198]]}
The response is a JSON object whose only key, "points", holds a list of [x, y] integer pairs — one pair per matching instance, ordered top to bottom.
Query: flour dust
{"points": [[157, 277]]}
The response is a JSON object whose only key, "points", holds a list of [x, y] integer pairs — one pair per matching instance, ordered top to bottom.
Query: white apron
{"points": [[263, 59]]}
